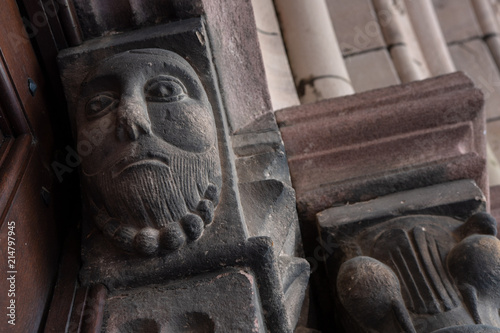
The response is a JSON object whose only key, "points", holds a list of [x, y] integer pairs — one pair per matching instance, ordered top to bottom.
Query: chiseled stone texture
{"points": [[233, 36], [187, 39], [237, 57], [359, 147], [154, 181], [268, 202], [254, 224], [429, 256], [226, 301]]}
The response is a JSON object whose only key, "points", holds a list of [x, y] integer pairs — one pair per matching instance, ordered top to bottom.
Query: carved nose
{"points": [[132, 120]]}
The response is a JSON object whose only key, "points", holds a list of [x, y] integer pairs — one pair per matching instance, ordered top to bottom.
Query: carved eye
{"points": [[164, 89], [101, 104]]}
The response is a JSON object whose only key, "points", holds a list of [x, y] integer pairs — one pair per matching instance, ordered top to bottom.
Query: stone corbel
{"points": [[173, 214], [425, 260]]}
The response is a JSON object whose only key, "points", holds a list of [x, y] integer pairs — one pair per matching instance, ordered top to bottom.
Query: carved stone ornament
{"points": [[155, 181], [179, 206], [410, 263]]}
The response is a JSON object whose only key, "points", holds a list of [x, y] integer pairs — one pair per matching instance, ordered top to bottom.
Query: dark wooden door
{"points": [[29, 190]]}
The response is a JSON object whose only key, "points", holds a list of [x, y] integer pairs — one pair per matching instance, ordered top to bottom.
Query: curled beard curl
{"points": [[151, 207]]}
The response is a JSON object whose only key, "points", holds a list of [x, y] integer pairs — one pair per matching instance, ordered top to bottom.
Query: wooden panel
{"points": [[45, 20], [22, 64], [14, 122], [6, 138], [14, 157], [12, 170], [29, 250], [36, 251], [66, 286]]}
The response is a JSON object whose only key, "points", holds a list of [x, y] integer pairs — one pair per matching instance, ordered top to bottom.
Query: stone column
{"points": [[428, 32], [401, 40], [315, 57], [278, 73]]}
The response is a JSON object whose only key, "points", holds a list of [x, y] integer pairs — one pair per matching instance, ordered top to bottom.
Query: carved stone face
{"points": [[153, 175]]}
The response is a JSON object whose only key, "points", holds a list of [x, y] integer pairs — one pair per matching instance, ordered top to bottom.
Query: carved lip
{"points": [[140, 160]]}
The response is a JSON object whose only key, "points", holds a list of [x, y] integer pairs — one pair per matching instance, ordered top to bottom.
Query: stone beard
{"points": [[155, 178]]}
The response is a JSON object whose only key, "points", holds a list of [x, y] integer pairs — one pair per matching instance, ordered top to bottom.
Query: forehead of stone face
{"points": [[136, 67]]}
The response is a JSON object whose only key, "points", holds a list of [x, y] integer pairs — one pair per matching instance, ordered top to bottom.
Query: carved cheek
{"points": [[187, 124], [99, 136]]}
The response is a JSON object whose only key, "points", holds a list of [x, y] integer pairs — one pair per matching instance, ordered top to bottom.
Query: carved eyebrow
{"points": [[100, 83]]}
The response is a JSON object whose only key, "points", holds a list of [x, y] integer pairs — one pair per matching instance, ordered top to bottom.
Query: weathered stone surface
{"points": [[486, 14], [101, 18], [356, 26], [455, 30], [428, 31], [233, 36], [493, 42], [404, 46], [237, 57], [315, 57], [475, 60], [371, 70], [279, 76], [151, 93], [132, 129], [493, 137], [356, 148], [155, 179], [267, 196], [458, 198], [268, 202], [495, 202], [429, 256], [190, 305], [469, 329]]}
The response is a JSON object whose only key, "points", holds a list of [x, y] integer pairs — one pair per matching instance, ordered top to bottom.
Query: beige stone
{"points": [[495, 5], [486, 16], [457, 19], [356, 25], [399, 35], [430, 37], [494, 46], [315, 58], [474, 58], [406, 65], [371, 70], [278, 73], [493, 138], [493, 165]]}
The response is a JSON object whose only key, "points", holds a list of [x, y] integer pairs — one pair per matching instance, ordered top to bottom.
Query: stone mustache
{"points": [[155, 180]]}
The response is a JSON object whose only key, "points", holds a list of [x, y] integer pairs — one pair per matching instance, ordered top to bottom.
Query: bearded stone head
{"points": [[154, 180]]}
